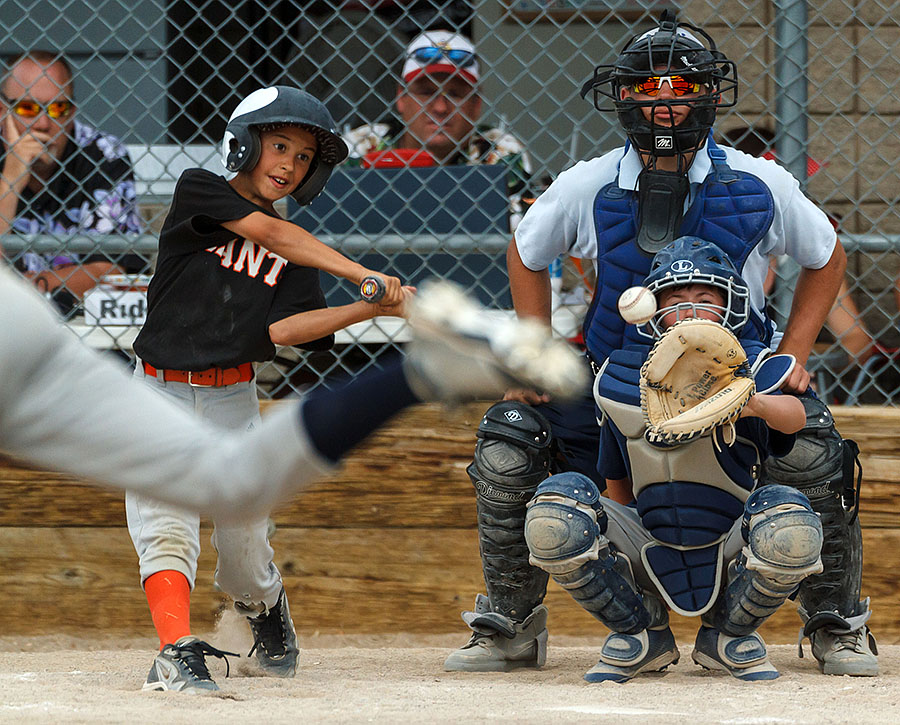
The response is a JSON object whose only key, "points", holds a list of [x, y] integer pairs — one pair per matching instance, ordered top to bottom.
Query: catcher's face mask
{"points": [[706, 81], [692, 261], [698, 295], [697, 301]]}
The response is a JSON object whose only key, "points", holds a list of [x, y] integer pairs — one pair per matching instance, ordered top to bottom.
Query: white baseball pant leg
{"points": [[166, 537]]}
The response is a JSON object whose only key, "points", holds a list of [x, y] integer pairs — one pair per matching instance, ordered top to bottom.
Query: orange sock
{"points": [[169, 596]]}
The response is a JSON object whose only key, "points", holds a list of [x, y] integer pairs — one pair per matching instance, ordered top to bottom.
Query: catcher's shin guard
{"points": [[512, 457], [823, 467], [565, 529], [783, 540]]}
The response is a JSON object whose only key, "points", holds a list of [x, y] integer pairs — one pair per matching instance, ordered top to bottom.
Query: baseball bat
{"points": [[372, 289]]}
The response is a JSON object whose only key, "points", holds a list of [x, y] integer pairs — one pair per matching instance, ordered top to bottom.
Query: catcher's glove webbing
{"points": [[695, 379]]}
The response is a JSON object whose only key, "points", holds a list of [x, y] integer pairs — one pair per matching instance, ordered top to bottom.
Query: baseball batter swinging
{"points": [[233, 279]]}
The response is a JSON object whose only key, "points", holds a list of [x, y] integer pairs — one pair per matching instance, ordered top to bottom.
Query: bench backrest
{"points": [[157, 167]]}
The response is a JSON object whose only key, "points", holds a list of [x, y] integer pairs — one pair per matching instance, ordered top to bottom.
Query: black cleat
{"points": [[274, 639], [181, 667]]}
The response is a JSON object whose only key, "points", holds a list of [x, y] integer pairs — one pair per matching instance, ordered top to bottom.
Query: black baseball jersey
{"points": [[214, 294]]}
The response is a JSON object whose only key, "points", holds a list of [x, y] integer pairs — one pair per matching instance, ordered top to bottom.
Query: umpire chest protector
{"points": [[733, 209], [688, 496]]}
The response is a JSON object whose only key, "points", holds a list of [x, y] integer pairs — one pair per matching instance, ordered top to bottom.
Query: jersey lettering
{"points": [[226, 252], [253, 255], [271, 278]]}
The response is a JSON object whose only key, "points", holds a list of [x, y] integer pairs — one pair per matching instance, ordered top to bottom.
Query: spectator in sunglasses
{"points": [[438, 106], [59, 176]]}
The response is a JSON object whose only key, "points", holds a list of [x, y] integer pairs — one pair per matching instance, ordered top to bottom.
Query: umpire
{"points": [[670, 180]]}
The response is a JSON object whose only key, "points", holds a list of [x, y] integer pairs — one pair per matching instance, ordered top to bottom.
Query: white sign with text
{"points": [[111, 307]]}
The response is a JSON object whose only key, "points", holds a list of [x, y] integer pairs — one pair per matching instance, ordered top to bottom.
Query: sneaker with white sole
{"points": [[461, 351], [498, 644], [841, 645], [845, 653], [624, 656], [743, 657], [181, 667]]}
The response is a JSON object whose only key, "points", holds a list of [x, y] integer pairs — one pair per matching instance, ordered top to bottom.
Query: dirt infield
{"points": [[398, 679]]}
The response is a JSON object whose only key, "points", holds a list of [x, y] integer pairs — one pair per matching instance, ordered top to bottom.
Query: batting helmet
{"points": [[671, 49], [279, 105], [691, 260]]}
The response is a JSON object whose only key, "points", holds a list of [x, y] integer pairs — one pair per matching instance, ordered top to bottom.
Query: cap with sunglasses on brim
{"points": [[440, 51]]}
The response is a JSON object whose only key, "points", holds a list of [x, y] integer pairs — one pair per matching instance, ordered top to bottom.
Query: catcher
{"points": [[686, 527]]}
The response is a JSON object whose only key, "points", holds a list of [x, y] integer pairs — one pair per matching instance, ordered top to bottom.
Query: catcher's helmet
{"points": [[668, 50], [279, 105], [691, 260]]}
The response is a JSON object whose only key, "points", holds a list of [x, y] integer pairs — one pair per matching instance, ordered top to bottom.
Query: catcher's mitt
{"points": [[695, 379]]}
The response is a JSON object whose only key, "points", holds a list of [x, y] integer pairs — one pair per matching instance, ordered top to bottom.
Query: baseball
{"points": [[637, 305]]}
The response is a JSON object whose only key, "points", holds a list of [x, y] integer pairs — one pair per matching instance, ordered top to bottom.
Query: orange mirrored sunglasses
{"points": [[680, 85], [31, 109]]}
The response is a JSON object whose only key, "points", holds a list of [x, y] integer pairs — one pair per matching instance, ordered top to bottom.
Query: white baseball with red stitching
{"points": [[637, 305]]}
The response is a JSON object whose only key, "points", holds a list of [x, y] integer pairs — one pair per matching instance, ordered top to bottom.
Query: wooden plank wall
{"points": [[388, 544]]}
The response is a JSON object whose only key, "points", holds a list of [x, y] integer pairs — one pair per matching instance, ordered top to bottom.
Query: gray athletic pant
{"points": [[168, 538]]}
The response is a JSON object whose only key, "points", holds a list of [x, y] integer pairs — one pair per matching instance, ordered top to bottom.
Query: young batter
{"points": [[233, 280]]}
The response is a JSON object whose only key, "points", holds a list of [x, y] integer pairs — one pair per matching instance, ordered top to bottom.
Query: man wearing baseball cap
{"points": [[438, 100], [438, 106]]}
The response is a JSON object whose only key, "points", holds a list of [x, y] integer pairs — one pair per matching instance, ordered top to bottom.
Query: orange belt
{"points": [[212, 378]]}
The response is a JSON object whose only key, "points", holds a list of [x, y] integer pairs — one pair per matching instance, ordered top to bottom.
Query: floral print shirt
{"points": [[92, 192]]}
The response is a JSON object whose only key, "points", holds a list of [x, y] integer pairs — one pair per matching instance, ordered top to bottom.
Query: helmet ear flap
{"points": [[240, 147], [314, 181]]}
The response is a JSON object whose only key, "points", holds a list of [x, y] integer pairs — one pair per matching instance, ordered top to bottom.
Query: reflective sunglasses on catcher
{"points": [[433, 54], [680, 85], [27, 108]]}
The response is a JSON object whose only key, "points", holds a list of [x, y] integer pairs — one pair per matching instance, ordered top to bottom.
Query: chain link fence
{"points": [[820, 88]]}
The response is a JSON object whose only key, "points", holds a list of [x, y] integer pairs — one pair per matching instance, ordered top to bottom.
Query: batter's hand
{"points": [[393, 294], [398, 310], [797, 381], [523, 395]]}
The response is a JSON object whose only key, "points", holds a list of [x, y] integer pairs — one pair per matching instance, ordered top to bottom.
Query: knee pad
{"points": [[512, 455], [815, 464], [566, 525], [565, 529], [783, 534]]}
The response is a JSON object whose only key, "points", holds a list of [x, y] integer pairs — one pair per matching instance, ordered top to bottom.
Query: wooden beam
{"points": [[410, 473], [387, 544], [78, 581]]}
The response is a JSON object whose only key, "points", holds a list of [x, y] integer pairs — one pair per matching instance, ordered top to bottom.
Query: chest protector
{"points": [[733, 209], [688, 496]]}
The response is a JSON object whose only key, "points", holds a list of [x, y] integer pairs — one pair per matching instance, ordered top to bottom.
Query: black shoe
{"points": [[274, 639], [182, 667]]}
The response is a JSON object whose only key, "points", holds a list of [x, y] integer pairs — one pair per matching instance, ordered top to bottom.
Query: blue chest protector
{"points": [[733, 209], [688, 497]]}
